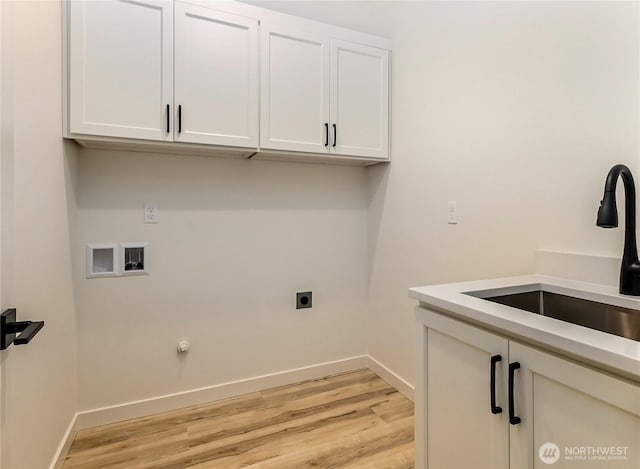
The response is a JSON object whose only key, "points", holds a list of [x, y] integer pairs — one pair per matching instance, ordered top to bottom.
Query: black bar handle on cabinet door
{"points": [[168, 118], [179, 118], [326, 134], [335, 135], [494, 408], [513, 420]]}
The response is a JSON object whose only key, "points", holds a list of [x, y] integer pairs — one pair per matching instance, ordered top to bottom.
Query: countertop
{"points": [[606, 351]]}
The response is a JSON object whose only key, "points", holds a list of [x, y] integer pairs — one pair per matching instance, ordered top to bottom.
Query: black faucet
{"points": [[608, 218]]}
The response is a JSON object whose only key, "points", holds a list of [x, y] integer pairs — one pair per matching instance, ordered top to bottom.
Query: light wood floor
{"points": [[353, 420]]}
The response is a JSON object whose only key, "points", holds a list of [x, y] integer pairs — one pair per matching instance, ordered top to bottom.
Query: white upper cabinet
{"points": [[120, 68], [216, 77], [222, 78], [294, 90], [323, 95], [359, 100]]}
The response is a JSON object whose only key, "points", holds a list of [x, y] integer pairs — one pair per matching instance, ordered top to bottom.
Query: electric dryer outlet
{"points": [[304, 300]]}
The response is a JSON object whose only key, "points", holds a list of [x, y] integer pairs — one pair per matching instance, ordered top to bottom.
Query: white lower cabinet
{"points": [[547, 411], [572, 414], [458, 429]]}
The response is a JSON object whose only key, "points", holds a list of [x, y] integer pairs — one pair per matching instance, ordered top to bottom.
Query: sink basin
{"points": [[617, 320]]}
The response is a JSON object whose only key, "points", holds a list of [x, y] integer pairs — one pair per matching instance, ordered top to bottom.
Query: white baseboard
{"points": [[405, 388], [155, 405], [65, 445]]}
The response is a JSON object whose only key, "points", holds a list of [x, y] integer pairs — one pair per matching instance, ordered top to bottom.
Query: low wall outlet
{"points": [[150, 213], [304, 300]]}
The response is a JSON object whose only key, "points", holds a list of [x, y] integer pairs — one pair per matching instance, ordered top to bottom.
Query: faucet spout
{"points": [[608, 218]]}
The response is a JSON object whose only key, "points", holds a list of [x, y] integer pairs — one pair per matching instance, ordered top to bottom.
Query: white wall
{"points": [[516, 110], [236, 240], [38, 389]]}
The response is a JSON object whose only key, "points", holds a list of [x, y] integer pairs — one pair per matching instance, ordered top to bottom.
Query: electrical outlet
{"points": [[150, 213], [452, 214], [304, 299]]}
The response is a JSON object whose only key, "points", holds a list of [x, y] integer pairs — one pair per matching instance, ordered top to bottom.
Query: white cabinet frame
{"points": [[294, 96], [359, 100], [226, 105], [115, 118]]}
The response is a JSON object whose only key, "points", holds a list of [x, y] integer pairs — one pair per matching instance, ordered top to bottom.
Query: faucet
{"points": [[608, 218]]}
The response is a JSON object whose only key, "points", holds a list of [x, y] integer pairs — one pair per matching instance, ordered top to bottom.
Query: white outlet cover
{"points": [[150, 213]]}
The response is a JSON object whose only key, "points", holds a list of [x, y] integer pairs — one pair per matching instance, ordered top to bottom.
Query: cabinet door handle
{"points": [[168, 118], [179, 118], [326, 134], [335, 135], [494, 408], [513, 420]]}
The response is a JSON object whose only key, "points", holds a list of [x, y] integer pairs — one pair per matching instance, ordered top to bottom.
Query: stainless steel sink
{"points": [[623, 322]]}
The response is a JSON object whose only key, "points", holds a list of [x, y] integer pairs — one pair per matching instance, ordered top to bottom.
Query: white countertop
{"points": [[601, 349]]}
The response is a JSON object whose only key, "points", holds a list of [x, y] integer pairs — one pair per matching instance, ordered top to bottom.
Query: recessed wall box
{"points": [[134, 259], [101, 260]]}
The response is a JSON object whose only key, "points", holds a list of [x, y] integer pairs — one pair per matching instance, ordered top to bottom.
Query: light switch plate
{"points": [[452, 213]]}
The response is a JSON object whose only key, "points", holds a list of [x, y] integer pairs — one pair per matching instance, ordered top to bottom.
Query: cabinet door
{"points": [[121, 68], [216, 77], [294, 90], [359, 100], [572, 416], [456, 428]]}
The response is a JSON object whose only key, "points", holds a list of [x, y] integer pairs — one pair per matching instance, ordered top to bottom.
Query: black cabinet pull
{"points": [[168, 118], [179, 118], [326, 134], [335, 135], [494, 408], [513, 420]]}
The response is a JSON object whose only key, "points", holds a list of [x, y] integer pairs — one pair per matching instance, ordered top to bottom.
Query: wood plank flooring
{"points": [[352, 420]]}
